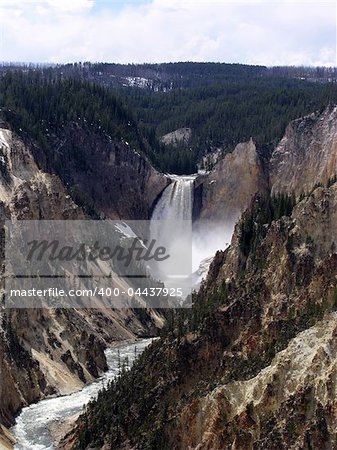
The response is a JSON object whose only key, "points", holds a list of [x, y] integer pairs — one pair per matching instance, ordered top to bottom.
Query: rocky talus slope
{"points": [[56, 351], [253, 365], [6, 439]]}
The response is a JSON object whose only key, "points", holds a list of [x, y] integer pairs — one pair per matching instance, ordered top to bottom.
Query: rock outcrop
{"points": [[177, 136], [307, 154], [305, 158], [224, 193], [6, 439]]}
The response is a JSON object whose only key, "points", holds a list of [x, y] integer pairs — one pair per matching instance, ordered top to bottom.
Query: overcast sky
{"points": [[269, 33]]}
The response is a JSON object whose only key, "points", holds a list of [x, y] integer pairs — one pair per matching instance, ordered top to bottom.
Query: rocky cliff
{"points": [[307, 154], [305, 157], [108, 176], [224, 193], [56, 351], [253, 365], [273, 383]]}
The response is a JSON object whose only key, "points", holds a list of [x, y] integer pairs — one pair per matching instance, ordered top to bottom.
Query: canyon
{"points": [[47, 352], [253, 364], [229, 376]]}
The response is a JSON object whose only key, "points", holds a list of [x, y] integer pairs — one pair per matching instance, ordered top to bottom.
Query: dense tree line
{"points": [[40, 102], [223, 104], [39, 105], [224, 114]]}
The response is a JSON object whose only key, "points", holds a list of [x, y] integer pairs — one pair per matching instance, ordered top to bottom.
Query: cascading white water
{"points": [[176, 201], [176, 204], [171, 228], [36, 423]]}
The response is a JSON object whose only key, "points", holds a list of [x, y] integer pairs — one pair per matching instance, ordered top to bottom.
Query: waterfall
{"points": [[176, 201], [176, 204], [171, 227]]}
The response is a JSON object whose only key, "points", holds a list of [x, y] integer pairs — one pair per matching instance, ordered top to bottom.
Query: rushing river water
{"points": [[33, 425]]}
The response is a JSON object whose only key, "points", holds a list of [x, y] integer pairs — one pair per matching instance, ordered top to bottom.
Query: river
{"points": [[37, 423], [33, 425]]}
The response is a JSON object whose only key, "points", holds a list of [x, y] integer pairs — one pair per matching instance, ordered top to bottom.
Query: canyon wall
{"points": [[307, 154], [305, 157], [225, 192], [56, 351], [258, 370]]}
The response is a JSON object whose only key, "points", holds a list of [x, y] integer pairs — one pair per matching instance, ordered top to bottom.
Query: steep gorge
{"points": [[265, 295], [50, 351], [252, 366]]}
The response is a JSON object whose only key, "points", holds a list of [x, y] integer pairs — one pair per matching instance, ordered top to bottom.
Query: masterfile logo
{"points": [[53, 250], [97, 264]]}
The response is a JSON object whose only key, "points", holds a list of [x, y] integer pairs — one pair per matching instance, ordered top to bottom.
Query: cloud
{"points": [[55, 5], [69, 6], [168, 30]]}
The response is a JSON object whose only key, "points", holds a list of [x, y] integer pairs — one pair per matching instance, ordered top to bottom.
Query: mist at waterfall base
{"points": [[207, 238]]}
